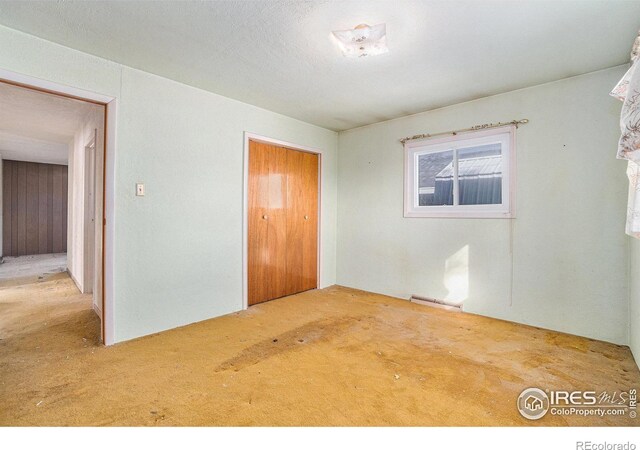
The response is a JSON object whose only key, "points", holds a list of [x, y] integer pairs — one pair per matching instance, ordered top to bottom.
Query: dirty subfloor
{"points": [[30, 265], [335, 356]]}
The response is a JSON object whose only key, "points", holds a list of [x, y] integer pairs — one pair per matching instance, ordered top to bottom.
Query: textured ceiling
{"points": [[280, 55], [36, 126]]}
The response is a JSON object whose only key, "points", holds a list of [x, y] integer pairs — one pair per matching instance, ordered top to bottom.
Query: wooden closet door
{"points": [[302, 221], [266, 222], [282, 222]]}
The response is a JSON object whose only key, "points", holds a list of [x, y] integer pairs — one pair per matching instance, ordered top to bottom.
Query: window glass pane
{"points": [[480, 175], [435, 179]]}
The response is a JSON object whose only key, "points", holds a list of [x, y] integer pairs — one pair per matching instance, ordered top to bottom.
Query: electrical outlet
{"points": [[140, 189]]}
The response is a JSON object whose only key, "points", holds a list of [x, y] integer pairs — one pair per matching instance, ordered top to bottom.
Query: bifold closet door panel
{"points": [[310, 165], [257, 206], [302, 221], [266, 222], [277, 223], [295, 225]]}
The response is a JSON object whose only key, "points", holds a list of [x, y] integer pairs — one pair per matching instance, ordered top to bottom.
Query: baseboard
{"points": [[78, 285], [97, 310]]}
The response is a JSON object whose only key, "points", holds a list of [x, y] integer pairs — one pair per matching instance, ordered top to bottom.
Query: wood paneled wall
{"points": [[34, 208]]}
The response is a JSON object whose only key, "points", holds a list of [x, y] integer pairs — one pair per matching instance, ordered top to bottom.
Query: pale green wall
{"points": [[569, 249], [178, 250], [634, 299]]}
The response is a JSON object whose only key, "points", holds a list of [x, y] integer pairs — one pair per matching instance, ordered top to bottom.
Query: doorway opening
{"points": [[52, 153]]}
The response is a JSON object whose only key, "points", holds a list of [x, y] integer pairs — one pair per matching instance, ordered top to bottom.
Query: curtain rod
{"points": [[464, 130]]}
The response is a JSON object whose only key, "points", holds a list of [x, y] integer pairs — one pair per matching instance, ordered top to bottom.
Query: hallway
{"points": [[32, 265]]}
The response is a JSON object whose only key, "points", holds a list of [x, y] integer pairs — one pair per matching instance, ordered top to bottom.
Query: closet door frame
{"points": [[245, 205]]}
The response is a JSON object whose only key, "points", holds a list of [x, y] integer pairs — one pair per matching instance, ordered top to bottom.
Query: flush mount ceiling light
{"points": [[363, 40]]}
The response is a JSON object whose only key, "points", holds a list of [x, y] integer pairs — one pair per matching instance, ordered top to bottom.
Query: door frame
{"points": [[248, 137], [88, 265], [107, 325]]}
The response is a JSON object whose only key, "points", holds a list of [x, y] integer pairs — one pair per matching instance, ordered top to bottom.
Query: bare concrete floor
{"points": [[30, 265], [331, 357]]}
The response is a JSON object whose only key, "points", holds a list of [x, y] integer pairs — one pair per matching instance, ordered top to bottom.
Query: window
{"points": [[467, 175]]}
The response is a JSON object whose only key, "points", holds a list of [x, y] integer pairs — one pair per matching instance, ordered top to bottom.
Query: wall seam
{"points": [[629, 290]]}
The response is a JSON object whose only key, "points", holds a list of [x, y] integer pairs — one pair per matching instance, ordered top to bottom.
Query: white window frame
{"points": [[412, 149]]}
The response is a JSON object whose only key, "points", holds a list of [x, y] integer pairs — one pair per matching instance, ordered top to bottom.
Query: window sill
{"points": [[459, 215]]}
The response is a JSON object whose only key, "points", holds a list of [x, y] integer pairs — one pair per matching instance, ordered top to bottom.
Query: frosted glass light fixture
{"points": [[363, 40]]}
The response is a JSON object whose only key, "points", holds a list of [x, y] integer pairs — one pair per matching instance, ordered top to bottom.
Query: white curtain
{"points": [[628, 91], [633, 204]]}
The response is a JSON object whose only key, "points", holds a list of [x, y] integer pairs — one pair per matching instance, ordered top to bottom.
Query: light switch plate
{"points": [[140, 189]]}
